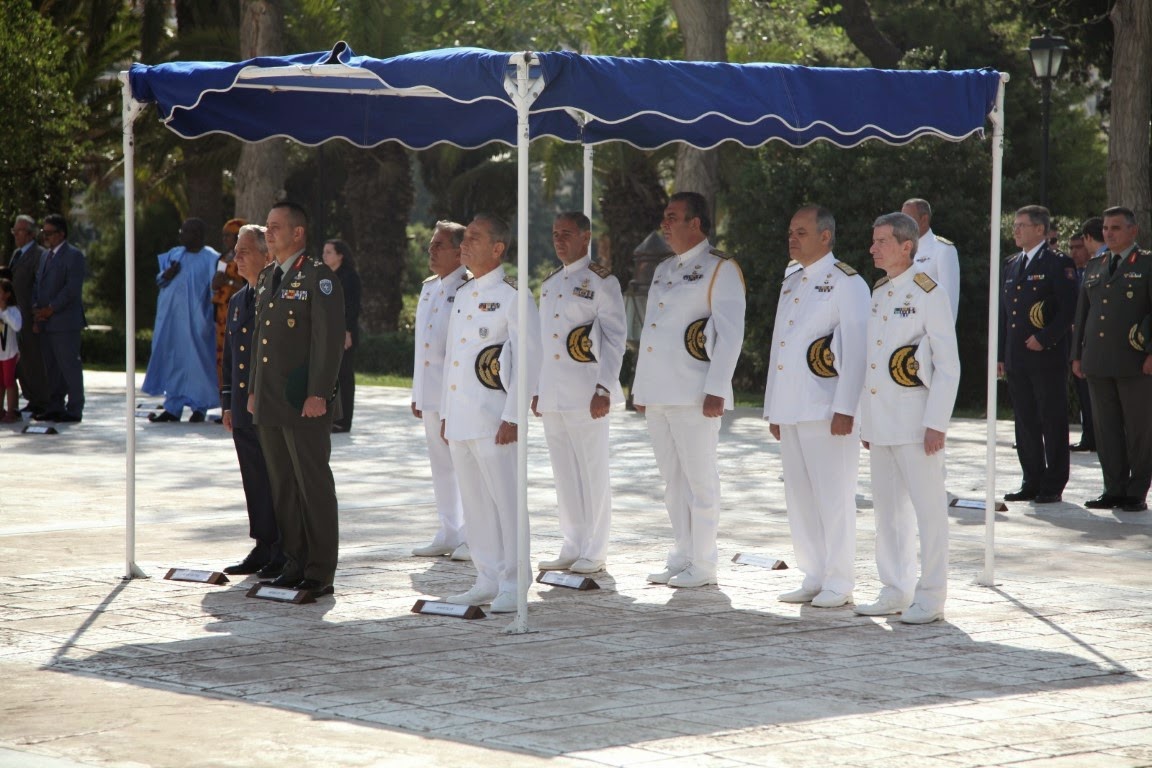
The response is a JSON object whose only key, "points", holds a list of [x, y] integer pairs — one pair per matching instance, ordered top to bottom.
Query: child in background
{"points": [[10, 324]]}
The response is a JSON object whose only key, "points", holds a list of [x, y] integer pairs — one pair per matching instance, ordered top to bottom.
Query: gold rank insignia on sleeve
{"points": [[845, 268], [599, 270], [510, 280], [926, 283], [1039, 314], [1138, 334], [694, 340], [580, 344], [821, 361], [903, 366], [488, 367]]}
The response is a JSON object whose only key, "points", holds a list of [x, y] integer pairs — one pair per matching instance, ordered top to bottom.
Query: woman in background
{"points": [[338, 256]]}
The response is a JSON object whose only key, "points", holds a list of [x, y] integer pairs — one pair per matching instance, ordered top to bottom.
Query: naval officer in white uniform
{"points": [[935, 256], [432, 314], [693, 331], [582, 335], [815, 372], [910, 388], [478, 406]]}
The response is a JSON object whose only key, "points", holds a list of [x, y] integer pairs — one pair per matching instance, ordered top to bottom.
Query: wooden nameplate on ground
{"points": [[39, 429], [976, 504], [761, 561], [202, 577], [568, 580], [280, 594], [440, 608]]}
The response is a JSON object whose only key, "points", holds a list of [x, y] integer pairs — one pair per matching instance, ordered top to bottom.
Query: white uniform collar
{"points": [[927, 237], [699, 249], [1031, 253], [824, 262], [580, 263], [454, 274], [495, 276], [903, 277]]}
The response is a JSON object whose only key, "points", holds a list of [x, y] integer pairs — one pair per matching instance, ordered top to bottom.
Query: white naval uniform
{"points": [[937, 257], [574, 296], [433, 312], [484, 315], [672, 384], [820, 469], [907, 484]]}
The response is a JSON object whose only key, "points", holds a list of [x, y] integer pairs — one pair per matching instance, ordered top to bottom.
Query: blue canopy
{"points": [[461, 96]]}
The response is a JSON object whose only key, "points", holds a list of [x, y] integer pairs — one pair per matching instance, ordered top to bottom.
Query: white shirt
{"points": [[937, 257], [698, 284], [573, 298], [825, 298], [909, 310], [433, 312], [484, 329]]}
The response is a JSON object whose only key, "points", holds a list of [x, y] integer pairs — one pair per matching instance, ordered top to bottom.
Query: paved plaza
{"points": [[1052, 667]]}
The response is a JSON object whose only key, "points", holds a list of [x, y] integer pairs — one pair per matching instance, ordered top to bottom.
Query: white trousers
{"points": [[685, 441], [578, 447], [820, 473], [487, 476], [445, 489], [908, 493]]}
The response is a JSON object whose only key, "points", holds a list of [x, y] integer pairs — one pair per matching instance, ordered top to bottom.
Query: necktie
{"points": [[48, 257], [1113, 261], [277, 276]]}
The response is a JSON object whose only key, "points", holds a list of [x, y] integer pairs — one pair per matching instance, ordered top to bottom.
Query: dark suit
{"points": [[350, 281], [59, 285], [1039, 299], [240, 324], [296, 354], [1111, 355], [30, 367], [1087, 429]]}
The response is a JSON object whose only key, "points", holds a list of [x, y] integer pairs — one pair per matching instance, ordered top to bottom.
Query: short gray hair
{"points": [[920, 205], [28, 220], [825, 221], [497, 228], [904, 228], [454, 230], [256, 231]]}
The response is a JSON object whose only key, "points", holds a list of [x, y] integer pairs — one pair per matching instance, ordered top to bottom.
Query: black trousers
{"points": [[30, 369], [64, 370], [346, 387], [1040, 403], [1122, 410], [1088, 431], [257, 492]]}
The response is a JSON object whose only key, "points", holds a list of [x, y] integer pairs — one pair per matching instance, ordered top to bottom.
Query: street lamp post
{"points": [[1047, 52]]}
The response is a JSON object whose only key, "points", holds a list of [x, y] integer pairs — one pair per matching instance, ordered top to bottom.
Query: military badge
{"points": [[692, 277], [326, 287], [583, 293], [489, 306], [1039, 314], [291, 322], [483, 333], [1139, 333], [694, 340], [580, 344], [821, 361], [488, 367], [903, 367]]}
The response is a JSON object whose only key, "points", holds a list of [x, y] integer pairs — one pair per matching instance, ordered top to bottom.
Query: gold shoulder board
{"points": [[945, 240], [719, 253], [845, 268], [600, 270], [552, 274], [429, 279], [510, 280], [880, 282], [926, 283]]}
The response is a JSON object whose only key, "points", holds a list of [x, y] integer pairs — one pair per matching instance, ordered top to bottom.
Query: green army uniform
{"points": [[1111, 342], [296, 353]]}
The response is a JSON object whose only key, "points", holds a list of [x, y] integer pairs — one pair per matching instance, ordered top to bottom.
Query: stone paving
{"points": [[1051, 667]]}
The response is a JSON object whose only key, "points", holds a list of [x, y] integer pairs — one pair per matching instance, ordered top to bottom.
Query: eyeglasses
{"points": [[50, 232]]}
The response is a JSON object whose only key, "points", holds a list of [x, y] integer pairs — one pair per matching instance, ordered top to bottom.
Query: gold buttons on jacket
{"points": [[241, 347]]}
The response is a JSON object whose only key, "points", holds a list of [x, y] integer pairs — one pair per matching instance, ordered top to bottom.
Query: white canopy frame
{"points": [[523, 83]]}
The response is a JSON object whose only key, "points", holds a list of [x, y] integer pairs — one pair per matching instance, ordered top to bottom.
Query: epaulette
{"points": [[945, 240], [719, 253], [1098, 256], [791, 267], [846, 268], [599, 270], [553, 273], [430, 278], [510, 280], [882, 281], [925, 282]]}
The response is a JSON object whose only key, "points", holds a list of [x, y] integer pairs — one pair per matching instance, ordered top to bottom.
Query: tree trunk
{"points": [[855, 18], [704, 26], [263, 167], [1128, 180], [378, 194], [632, 206]]}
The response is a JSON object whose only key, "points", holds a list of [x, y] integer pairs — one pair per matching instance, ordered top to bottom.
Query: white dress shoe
{"points": [[432, 550], [462, 553], [559, 564], [584, 565], [662, 577], [692, 577], [801, 595], [474, 596], [830, 599], [505, 602], [885, 605], [918, 614]]}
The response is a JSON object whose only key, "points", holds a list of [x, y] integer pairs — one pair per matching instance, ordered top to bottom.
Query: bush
{"points": [[103, 347], [390, 352]]}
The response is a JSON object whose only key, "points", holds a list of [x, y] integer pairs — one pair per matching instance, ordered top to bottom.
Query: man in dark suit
{"points": [[1079, 253], [24, 265], [1037, 303], [58, 316], [1113, 349], [295, 362], [266, 558]]}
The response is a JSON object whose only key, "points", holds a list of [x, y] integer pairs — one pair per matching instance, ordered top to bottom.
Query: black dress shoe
{"points": [[47, 416], [163, 416], [196, 417], [68, 418], [338, 429], [1082, 447], [1024, 494], [1048, 498], [1104, 501], [1133, 504], [246, 566], [271, 570], [284, 580], [315, 588]]}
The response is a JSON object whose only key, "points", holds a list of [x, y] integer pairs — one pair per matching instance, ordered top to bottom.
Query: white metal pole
{"points": [[130, 108], [588, 181], [987, 576]]}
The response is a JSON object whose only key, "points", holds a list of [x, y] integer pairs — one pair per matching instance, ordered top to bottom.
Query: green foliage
{"points": [[103, 349], [390, 352]]}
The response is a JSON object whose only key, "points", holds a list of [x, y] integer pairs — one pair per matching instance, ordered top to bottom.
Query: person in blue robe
{"points": [[183, 362]]}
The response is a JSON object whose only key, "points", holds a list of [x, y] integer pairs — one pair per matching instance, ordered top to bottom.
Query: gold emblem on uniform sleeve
{"points": [[1038, 314], [1138, 334], [694, 340], [580, 344], [821, 361], [488, 367], [903, 367]]}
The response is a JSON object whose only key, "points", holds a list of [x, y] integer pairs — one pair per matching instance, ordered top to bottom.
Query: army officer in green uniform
{"points": [[1111, 347], [295, 361]]}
